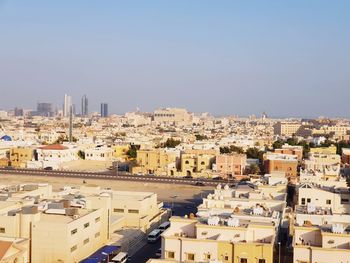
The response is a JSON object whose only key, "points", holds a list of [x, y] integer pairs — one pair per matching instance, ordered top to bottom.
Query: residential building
{"points": [[288, 129], [292, 150], [324, 150], [99, 153], [20, 156], [345, 157], [157, 161], [287, 163], [197, 164], [327, 164], [228, 165], [336, 199], [218, 240], [14, 250]]}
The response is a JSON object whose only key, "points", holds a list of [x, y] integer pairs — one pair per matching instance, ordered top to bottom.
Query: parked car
{"points": [[48, 168], [188, 177], [217, 178], [199, 184], [154, 236], [159, 253]]}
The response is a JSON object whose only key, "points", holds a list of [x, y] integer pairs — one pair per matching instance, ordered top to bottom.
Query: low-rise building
{"points": [[292, 150], [99, 154], [20, 156], [287, 163], [228, 165], [218, 239]]}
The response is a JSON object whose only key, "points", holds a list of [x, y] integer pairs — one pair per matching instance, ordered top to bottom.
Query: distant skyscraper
{"points": [[67, 105], [84, 106], [44, 109], [104, 110], [18, 112]]}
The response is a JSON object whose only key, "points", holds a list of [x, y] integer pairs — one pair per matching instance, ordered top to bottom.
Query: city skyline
{"points": [[233, 58]]}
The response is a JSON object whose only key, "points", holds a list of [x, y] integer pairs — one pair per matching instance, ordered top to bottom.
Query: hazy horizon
{"points": [[225, 58]]}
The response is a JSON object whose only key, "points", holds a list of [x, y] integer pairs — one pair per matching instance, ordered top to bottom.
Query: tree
{"points": [[200, 137], [171, 143], [278, 144], [231, 149], [224, 150], [132, 152], [253, 153], [81, 154], [253, 169]]}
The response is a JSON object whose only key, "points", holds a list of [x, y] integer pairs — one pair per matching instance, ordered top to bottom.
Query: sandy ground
{"points": [[87, 165], [165, 192]]}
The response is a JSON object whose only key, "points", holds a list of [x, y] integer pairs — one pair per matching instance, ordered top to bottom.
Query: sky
{"points": [[287, 58]]}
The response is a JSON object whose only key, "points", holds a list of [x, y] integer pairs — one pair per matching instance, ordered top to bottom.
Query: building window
{"points": [[308, 200], [303, 201], [328, 201], [344, 201], [118, 210], [133, 211], [97, 219], [86, 225], [2, 230], [74, 231], [97, 234], [86, 241], [73, 248], [170, 254], [207, 256], [190, 257], [226, 258], [243, 260], [261, 260]]}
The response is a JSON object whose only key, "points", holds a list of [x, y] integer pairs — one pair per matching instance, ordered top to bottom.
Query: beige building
{"points": [[172, 116], [286, 128], [292, 150], [20, 156], [157, 161], [197, 164], [327, 164], [228, 165], [336, 199], [70, 225], [218, 240], [325, 243], [14, 250]]}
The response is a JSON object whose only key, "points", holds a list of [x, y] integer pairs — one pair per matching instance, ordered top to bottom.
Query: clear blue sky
{"points": [[288, 58]]}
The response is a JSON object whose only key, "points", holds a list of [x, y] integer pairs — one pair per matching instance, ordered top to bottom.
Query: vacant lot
{"points": [[165, 192]]}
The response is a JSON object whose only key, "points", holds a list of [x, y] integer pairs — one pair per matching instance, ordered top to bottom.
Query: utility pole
{"points": [[71, 123]]}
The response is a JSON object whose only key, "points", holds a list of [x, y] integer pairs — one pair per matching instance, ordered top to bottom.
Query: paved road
{"points": [[110, 176], [149, 250], [146, 252]]}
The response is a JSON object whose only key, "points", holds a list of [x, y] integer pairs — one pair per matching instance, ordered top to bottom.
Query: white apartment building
{"points": [[99, 154], [54, 156], [328, 164], [336, 199]]}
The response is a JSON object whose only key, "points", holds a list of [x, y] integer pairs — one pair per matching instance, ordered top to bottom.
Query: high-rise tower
{"points": [[67, 104], [84, 106]]}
